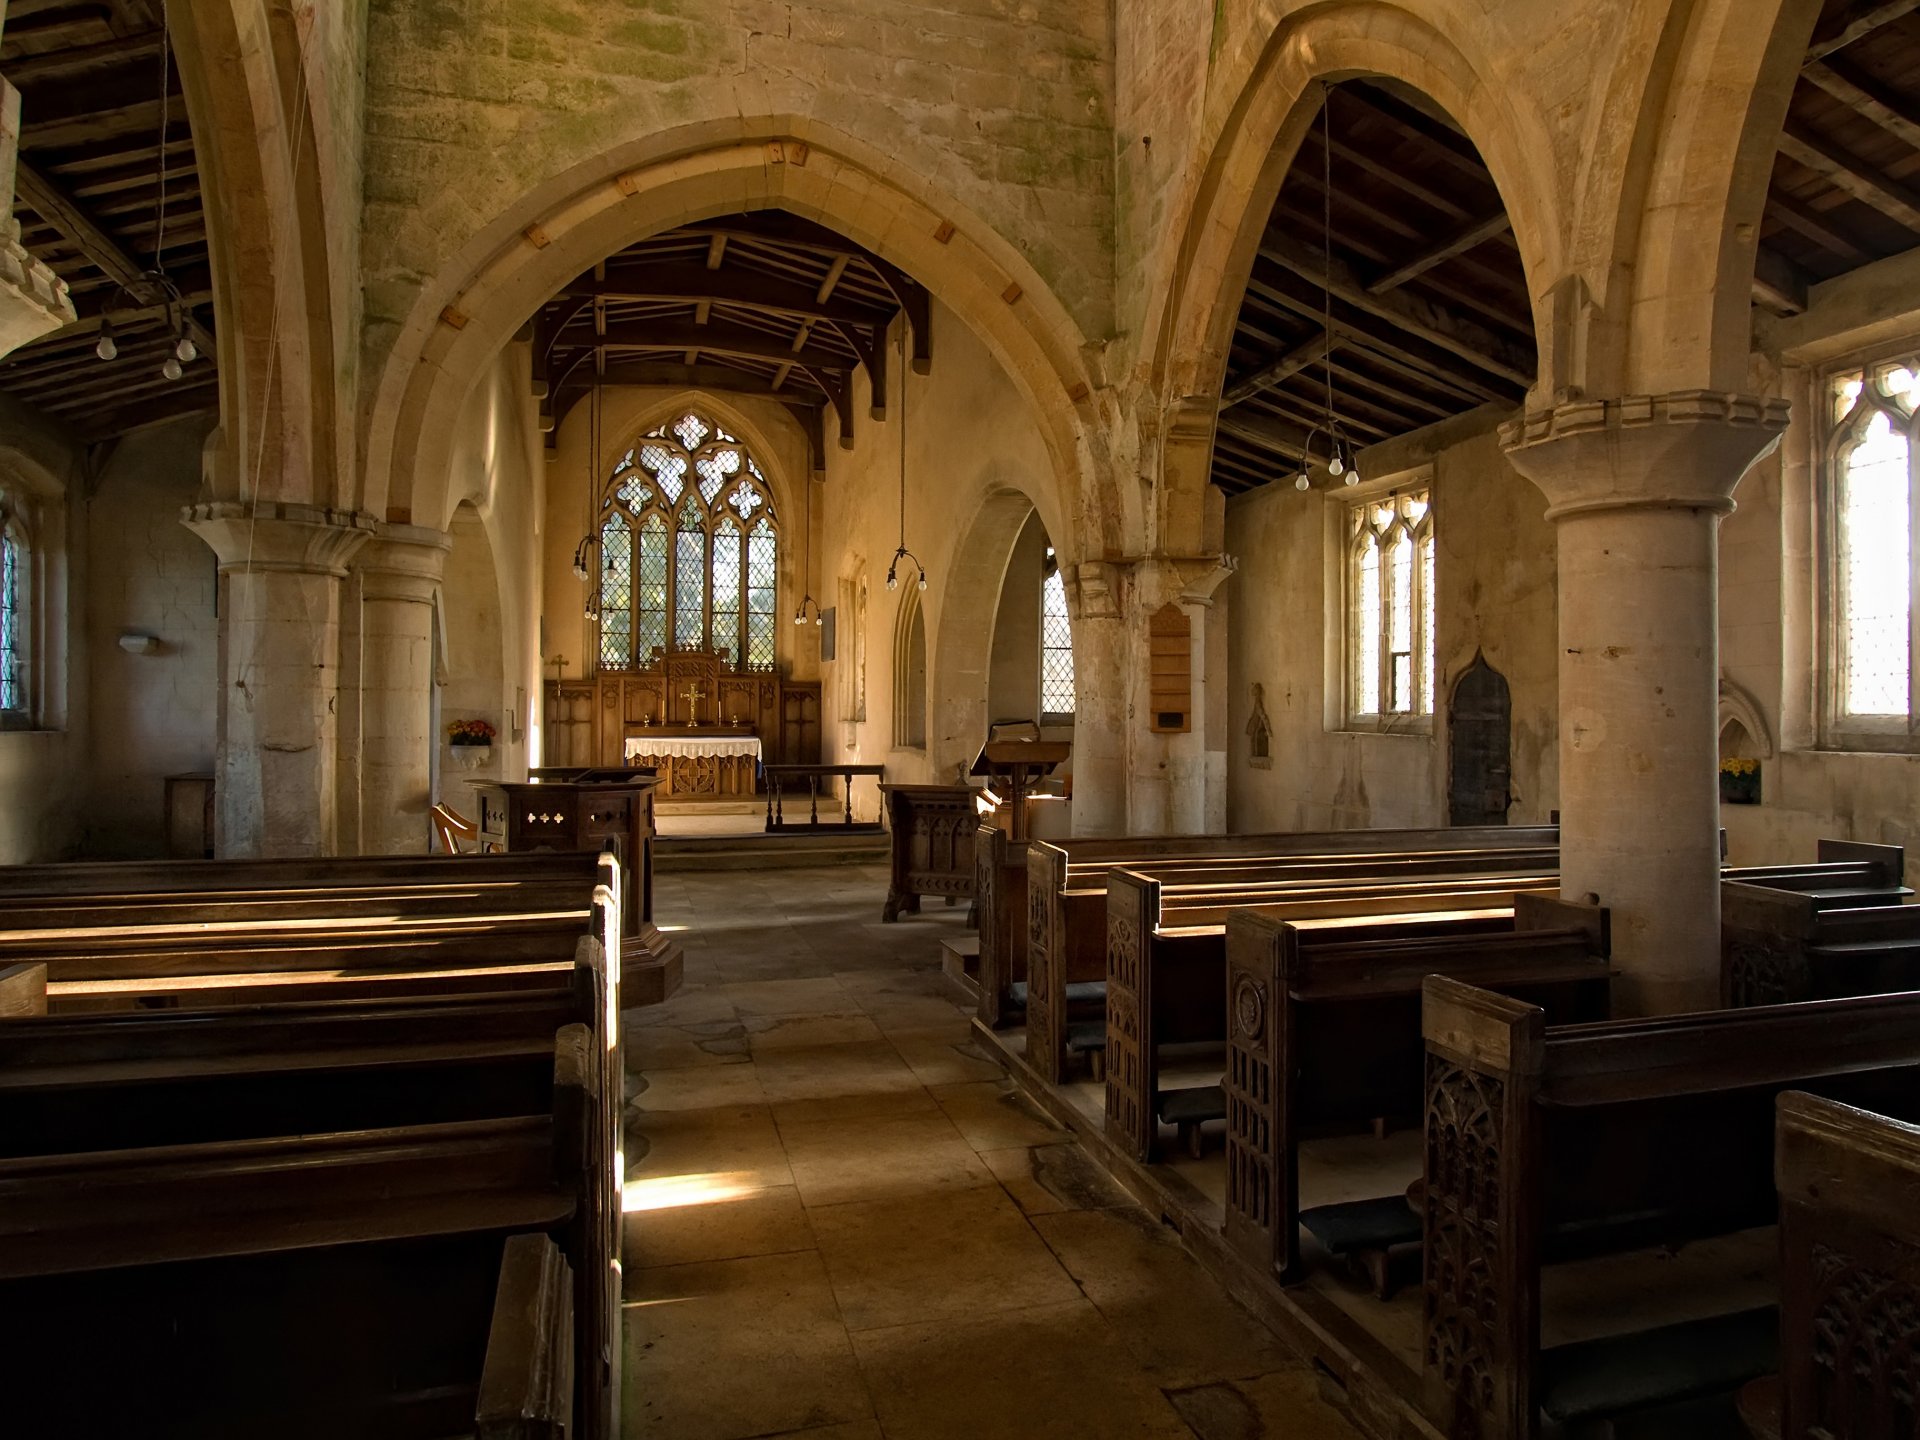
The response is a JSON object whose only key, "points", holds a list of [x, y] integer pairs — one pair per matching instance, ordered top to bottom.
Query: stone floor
{"points": [[842, 1223]]}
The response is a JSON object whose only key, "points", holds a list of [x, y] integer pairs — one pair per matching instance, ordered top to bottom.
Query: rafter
{"points": [[1860, 21], [29, 70], [1866, 96], [1850, 173], [54, 207], [1815, 227], [1461, 241], [1778, 283], [690, 284], [1421, 318], [715, 338], [1278, 371], [1276, 437]]}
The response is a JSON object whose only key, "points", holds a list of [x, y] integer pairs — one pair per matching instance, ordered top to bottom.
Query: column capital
{"points": [[1686, 450], [280, 536], [403, 562]]}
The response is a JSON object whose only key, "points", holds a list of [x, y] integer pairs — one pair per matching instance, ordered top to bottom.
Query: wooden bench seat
{"points": [[1779, 946], [1326, 1039], [1546, 1143]]}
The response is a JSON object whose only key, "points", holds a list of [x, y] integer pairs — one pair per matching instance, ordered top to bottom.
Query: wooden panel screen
{"points": [[1169, 671]]}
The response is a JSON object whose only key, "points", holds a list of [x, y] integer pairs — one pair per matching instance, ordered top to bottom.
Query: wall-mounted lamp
{"points": [[137, 644]]}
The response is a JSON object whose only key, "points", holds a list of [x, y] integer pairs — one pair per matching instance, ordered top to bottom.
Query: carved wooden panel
{"points": [[587, 721], [989, 854], [1046, 969], [1251, 1095], [1129, 1101], [1465, 1149], [1863, 1347]]}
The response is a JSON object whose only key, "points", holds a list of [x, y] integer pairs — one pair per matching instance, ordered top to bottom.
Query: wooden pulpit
{"points": [[1012, 769], [594, 810]]}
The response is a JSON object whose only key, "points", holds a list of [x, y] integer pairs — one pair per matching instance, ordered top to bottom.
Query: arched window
{"points": [[1871, 515], [689, 549], [15, 592], [1390, 608], [1056, 643], [910, 675]]}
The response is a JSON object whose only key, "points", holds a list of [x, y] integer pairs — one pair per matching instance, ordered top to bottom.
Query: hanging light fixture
{"points": [[155, 286], [1342, 460], [583, 552], [893, 569], [807, 603]]}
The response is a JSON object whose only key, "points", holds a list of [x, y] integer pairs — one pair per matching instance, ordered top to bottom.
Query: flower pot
{"points": [[471, 757], [1740, 788]]}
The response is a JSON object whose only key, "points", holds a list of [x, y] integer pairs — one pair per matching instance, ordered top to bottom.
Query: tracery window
{"points": [[1870, 523], [689, 549], [1389, 585], [14, 589], [1056, 643]]}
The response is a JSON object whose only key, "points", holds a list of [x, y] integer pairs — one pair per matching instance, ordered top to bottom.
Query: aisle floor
{"points": [[843, 1224]]}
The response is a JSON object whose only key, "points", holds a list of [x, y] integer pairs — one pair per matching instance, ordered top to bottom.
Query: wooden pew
{"points": [[216, 877], [1066, 880], [1778, 946], [1166, 985], [23, 990], [1324, 1038], [1584, 1140], [1849, 1183], [360, 1200]]}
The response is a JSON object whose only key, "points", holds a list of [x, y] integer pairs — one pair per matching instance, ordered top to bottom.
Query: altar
{"points": [[693, 762]]}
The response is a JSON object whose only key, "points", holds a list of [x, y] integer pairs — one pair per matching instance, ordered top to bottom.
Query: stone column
{"points": [[1636, 488], [399, 574], [1100, 700], [274, 768]]}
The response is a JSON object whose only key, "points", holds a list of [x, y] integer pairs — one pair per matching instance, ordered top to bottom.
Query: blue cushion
{"points": [[1079, 992], [1086, 1036], [1376, 1224], [1621, 1373]]}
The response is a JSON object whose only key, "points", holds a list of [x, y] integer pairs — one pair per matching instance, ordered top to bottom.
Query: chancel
{"points": [[870, 722]]}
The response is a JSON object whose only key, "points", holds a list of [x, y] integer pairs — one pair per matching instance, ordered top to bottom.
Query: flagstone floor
{"points": [[843, 1225]]}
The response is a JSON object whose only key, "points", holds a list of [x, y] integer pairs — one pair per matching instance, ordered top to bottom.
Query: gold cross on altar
{"points": [[693, 695]]}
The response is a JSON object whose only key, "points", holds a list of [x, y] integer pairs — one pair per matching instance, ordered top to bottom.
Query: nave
{"points": [[844, 1224]]}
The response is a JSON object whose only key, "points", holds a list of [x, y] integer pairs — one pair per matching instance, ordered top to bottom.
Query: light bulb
{"points": [[106, 349], [187, 350], [172, 369], [1336, 465], [1353, 477], [1300, 481], [580, 572], [923, 579], [893, 580], [799, 617], [819, 619]]}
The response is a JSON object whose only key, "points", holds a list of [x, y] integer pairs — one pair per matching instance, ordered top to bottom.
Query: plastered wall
{"points": [[1494, 593]]}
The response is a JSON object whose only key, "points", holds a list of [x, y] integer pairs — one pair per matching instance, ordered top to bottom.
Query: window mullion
{"points": [[1913, 578]]}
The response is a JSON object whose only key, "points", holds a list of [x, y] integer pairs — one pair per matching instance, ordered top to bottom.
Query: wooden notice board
{"points": [[1170, 671]]}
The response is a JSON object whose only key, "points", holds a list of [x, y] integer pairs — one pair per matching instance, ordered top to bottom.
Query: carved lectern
{"points": [[1012, 768], [594, 810]]}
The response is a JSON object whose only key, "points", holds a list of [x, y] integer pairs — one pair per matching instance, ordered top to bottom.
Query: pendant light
{"points": [[155, 285], [1342, 461], [583, 552], [893, 569], [808, 605]]}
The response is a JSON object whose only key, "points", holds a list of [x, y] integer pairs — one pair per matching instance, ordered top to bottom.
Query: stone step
{"points": [[682, 853]]}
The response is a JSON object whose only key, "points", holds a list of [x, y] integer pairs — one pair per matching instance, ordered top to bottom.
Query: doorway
{"points": [[1480, 740]]}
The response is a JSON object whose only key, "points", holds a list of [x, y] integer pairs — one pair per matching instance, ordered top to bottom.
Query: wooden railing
{"points": [[781, 778]]}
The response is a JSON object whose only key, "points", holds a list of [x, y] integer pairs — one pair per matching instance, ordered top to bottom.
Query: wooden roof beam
{"points": [[1858, 21], [29, 70], [1867, 97], [1851, 174], [53, 206], [1814, 226], [1458, 243], [1778, 283], [690, 284], [1421, 318], [716, 339], [1280, 370], [1276, 437]]}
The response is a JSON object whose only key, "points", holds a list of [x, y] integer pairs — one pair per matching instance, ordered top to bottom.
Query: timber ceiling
{"points": [[89, 75], [1843, 181], [763, 304], [1429, 310]]}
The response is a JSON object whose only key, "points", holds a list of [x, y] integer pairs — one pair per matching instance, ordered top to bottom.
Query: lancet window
{"points": [[1390, 608]]}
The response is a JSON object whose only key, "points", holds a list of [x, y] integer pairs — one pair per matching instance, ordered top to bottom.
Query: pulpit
{"points": [[1013, 769], [594, 810]]}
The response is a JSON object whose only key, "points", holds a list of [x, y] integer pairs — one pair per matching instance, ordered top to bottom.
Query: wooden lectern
{"points": [[1011, 768], [594, 810]]}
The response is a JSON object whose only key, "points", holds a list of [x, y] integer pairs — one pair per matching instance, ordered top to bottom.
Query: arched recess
{"points": [[258, 123], [1688, 233], [1204, 277], [486, 292], [962, 660], [910, 674], [471, 682]]}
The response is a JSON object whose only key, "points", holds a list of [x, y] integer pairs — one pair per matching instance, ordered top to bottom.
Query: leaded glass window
{"points": [[1871, 526], [689, 549], [1390, 607], [13, 611], [1056, 643]]}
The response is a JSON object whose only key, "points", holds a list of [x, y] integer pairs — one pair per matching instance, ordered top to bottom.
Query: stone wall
{"points": [[1494, 580], [149, 716]]}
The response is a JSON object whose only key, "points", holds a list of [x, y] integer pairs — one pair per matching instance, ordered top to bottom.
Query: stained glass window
{"points": [[1872, 529], [688, 566], [13, 598], [1390, 607], [1056, 644]]}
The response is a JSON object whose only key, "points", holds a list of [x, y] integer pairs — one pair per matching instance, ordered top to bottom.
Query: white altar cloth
{"points": [[728, 745]]}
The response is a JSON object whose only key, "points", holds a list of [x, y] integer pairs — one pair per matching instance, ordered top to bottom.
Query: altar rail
{"points": [[780, 778]]}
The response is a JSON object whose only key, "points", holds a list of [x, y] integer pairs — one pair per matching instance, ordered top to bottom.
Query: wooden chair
{"points": [[451, 828]]}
